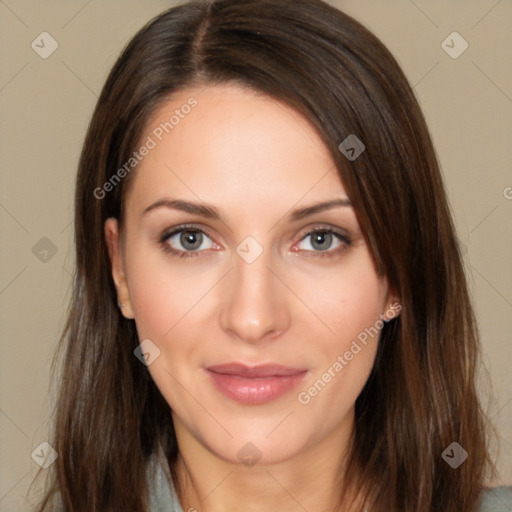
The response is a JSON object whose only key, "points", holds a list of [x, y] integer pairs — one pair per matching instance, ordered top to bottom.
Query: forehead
{"points": [[226, 142]]}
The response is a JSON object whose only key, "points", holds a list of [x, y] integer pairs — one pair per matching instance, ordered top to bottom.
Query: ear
{"points": [[113, 241], [394, 306]]}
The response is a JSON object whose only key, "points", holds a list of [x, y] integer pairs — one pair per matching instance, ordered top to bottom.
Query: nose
{"points": [[255, 303]]}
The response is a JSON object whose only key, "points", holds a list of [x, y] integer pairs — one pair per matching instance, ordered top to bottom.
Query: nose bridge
{"points": [[254, 305]]}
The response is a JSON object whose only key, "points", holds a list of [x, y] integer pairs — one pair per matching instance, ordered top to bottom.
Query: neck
{"points": [[311, 480]]}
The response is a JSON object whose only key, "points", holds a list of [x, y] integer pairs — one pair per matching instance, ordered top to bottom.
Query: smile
{"points": [[254, 385]]}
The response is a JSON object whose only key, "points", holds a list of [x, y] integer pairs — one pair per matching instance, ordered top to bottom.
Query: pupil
{"points": [[191, 239], [322, 241]]}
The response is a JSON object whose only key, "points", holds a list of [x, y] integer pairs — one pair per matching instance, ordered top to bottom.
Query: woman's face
{"points": [[263, 309]]}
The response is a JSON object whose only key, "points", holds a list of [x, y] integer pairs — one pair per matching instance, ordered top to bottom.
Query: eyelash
{"points": [[344, 239]]}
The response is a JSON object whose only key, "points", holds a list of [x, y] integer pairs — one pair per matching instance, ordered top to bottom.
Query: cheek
{"points": [[162, 293], [346, 300], [164, 301], [350, 303], [154, 304]]}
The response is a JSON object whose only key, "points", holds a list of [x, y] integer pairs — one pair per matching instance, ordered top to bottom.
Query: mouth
{"points": [[254, 385]]}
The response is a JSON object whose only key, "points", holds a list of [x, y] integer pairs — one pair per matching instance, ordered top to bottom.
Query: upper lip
{"points": [[257, 371]]}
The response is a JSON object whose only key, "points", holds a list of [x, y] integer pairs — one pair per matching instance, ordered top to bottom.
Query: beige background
{"points": [[45, 108]]}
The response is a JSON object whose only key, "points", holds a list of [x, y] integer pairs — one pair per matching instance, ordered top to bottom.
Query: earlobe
{"points": [[112, 239], [393, 309]]}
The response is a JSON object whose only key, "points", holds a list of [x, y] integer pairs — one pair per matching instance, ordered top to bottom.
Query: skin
{"points": [[254, 159]]}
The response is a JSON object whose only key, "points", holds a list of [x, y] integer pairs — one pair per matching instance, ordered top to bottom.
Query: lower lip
{"points": [[255, 391]]}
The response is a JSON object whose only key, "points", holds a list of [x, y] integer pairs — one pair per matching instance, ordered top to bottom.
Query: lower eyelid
{"points": [[330, 253]]}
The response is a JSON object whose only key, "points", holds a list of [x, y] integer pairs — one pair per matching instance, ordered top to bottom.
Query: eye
{"points": [[186, 241], [324, 241]]}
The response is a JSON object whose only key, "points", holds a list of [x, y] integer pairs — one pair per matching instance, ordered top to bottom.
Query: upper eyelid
{"points": [[197, 227], [166, 233], [343, 236]]}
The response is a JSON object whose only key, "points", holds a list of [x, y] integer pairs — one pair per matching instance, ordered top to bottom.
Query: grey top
{"points": [[163, 496]]}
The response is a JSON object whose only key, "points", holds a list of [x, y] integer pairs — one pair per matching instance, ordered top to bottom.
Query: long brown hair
{"points": [[420, 396]]}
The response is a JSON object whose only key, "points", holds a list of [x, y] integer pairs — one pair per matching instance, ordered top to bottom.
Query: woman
{"points": [[269, 308]]}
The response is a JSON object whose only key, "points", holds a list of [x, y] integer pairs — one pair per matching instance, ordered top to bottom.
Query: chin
{"points": [[251, 446]]}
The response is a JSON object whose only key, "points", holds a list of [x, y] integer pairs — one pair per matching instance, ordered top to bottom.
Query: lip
{"points": [[254, 385]]}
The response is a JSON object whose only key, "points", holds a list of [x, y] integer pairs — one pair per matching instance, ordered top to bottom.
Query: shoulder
{"points": [[498, 499]]}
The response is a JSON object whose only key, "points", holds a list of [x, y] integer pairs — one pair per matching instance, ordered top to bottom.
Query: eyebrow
{"points": [[210, 212]]}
